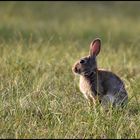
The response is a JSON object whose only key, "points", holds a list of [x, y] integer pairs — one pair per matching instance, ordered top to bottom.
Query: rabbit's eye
{"points": [[82, 61]]}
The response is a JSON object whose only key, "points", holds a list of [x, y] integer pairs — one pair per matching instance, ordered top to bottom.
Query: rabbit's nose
{"points": [[76, 69]]}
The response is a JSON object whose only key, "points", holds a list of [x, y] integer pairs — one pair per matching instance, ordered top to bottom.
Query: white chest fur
{"points": [[85, 88]]}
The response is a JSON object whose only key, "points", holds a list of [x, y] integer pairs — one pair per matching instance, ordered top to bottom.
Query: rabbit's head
{"points": [[88, 64]]}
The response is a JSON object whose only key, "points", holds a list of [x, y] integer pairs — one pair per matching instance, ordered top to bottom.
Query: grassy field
{"points": [[40, 42]]}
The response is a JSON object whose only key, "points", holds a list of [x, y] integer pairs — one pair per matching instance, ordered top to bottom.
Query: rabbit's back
{"points": [[110, 81], [114, 88]]}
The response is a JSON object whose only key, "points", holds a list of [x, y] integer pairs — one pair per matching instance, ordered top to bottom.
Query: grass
{"points": [[39, 43]]}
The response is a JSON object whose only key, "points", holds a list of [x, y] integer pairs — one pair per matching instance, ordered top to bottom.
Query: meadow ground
{"points": [[39, 43]]}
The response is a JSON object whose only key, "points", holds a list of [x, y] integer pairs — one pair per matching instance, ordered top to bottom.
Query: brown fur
{"points": [[97, 84]]}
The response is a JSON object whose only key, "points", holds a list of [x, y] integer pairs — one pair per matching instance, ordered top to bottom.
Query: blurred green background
{"points": [[70, 20]]}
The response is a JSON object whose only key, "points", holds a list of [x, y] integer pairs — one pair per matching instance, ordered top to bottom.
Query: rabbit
{"points": [[98, 84]]}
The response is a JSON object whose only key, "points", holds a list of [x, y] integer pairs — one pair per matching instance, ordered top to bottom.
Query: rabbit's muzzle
{"points": [[77, 68]]}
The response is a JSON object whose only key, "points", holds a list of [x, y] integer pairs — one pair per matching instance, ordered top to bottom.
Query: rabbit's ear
{"points": [[95, 47]]}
